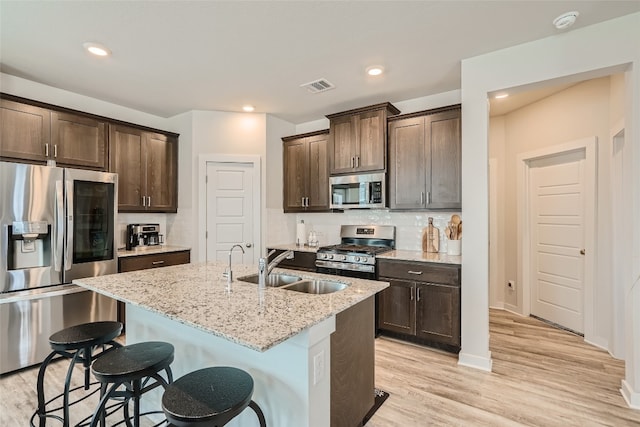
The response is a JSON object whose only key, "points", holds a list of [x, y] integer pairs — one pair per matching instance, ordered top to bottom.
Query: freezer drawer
{"points": [[28, 319]]}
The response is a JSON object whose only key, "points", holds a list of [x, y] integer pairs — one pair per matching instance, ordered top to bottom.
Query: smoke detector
{"points": [[565, 20], [317, 86]]}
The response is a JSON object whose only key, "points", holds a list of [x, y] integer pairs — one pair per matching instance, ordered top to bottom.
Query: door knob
{"points": [[248, 245], [582, 252]]}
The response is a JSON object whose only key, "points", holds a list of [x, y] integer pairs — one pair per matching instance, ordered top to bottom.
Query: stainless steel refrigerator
{"points": [[56, 225]]}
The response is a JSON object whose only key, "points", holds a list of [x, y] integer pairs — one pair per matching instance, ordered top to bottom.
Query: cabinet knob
{"points": [[248, 245], [582, 251]]}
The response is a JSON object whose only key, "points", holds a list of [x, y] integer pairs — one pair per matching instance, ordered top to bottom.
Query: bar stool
{"points": [[76, 343], [132, 367], [209, 397]]}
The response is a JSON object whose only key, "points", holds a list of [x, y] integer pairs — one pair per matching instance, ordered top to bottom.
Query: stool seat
{"points": [[85, 335], [133, 361], [137, 367], [209, 396]]}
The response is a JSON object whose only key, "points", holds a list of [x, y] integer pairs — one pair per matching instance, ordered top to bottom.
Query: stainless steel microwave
{"points": [[358, 191]]}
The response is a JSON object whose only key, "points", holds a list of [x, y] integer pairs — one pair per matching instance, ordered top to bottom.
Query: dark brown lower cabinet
{"points": [[305, 261], [145, 262], [422, 303]]}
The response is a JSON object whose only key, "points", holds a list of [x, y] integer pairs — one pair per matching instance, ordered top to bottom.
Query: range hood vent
{"points": [[317, 86]]}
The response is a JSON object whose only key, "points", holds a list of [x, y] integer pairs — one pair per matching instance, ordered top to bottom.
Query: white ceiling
{"points": [[175, 56]]}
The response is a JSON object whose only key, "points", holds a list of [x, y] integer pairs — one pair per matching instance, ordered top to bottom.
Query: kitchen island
{"points": [[281, 337]]}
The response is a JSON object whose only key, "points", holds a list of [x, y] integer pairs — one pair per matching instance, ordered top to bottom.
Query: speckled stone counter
{"points": [[150, 250], [420, 256], [197, 295]]}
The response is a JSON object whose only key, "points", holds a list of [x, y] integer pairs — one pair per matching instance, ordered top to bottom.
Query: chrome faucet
{"points": [[265, 267], [228, 273]]}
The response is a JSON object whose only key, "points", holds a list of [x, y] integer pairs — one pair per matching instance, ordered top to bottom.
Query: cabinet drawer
{"points": [[143, 262], [419, 272]]}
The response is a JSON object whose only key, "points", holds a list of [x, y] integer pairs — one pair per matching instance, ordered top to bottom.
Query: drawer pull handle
{"points": [[157, 262], [414, 272]]}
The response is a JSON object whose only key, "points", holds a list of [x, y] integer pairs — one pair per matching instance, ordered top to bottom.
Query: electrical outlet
{"points": [[511, 285], [318, 367]]}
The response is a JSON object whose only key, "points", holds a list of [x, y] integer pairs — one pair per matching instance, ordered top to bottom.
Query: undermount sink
{"points": [[274, 279], [316, 286]]}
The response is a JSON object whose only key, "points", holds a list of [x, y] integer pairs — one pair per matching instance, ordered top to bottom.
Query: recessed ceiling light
{"points": [[565, 20], [97, 49], [375, 70], [501, 96], [248, 108]]}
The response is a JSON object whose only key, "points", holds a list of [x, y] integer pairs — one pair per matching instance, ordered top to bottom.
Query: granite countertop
{"points": [[150, 250], [420, 256], [197, 295]]}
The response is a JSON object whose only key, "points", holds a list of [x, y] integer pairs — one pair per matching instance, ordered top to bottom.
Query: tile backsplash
{"points": [[409, 225]]}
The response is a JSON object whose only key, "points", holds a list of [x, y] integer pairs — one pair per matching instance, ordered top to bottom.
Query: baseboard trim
{"points": [[476, 362], [630, 396]]}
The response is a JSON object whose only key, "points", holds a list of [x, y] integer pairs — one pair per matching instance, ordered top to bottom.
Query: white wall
{"points": [[597, 50], [205, 133]]}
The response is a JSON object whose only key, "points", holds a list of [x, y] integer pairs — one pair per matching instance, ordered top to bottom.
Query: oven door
{"points": [[358, 191], [91, 211]]}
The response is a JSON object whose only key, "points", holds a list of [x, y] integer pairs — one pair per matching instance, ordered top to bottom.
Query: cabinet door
{"points": [[25, 131], [444, 139], [79, 141], [370, 141], [342, 145], [161, 155], [295, 160], [126, 161], [407, 168], [318, 173], [396, 307], [438, 313]]}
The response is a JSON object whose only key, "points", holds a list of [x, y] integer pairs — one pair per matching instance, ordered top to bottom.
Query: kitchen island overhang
{"points": [[281, 337]]}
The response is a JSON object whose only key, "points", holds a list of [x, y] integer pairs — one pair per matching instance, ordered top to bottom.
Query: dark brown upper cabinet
{"points": [[25, 132], [34, 134], [358, 139], [79, 141], [425, 160], [147, 167], [306, 172]]}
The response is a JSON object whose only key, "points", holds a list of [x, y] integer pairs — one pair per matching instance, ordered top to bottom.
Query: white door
{"points": [[230, 211], [557, 221]]}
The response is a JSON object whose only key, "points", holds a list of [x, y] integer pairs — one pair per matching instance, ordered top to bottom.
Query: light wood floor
{"points": [[541, 377]]}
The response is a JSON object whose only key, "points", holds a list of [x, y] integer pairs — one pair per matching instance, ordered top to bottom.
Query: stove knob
{"points": [[329, 256], [341, 257], [356, 259], [364, 259]]}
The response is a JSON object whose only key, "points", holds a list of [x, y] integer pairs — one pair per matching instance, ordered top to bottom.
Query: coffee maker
{"points": [[143, 235]]}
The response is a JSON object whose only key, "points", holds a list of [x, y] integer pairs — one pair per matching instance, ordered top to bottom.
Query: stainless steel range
{"points": [[355, 256]]}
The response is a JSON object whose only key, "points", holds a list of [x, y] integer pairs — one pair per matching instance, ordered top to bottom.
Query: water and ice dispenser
{"points": [[29, 245]]}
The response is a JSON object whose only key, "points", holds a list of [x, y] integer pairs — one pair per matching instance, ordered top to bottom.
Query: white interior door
{"points": [[230, 211], [557, 221]]}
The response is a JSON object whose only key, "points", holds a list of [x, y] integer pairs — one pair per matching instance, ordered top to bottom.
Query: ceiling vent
{"points": [[317, 86]]}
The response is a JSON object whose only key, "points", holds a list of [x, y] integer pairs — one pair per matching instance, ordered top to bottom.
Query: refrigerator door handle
{"points": [[68, 209], [58, 255]]}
